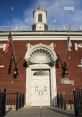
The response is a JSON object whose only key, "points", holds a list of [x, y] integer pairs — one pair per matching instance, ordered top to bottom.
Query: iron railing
{"points": [[50, 28], [77, 95], [71, 99], [65, 100], [10, 101], [2, 103]]}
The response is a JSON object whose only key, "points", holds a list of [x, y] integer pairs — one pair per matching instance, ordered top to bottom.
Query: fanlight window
{"points": [[40, 18], [43, 73]]}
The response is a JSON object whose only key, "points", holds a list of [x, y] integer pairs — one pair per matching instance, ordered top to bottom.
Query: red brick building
{"points": [[41, 54]]}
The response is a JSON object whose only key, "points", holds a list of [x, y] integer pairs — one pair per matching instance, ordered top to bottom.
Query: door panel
{"points": [[45, 91], [35, 94], [40, 95]]}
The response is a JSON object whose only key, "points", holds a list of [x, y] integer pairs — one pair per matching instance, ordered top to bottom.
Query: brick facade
{"points": [[18, 84]]}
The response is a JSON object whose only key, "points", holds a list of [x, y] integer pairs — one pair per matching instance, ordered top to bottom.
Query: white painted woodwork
{"points": [[36, 84], [40, 88]]}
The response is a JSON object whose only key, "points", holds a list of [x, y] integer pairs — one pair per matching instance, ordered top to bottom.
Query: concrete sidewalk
{"points": [[39, 112]]}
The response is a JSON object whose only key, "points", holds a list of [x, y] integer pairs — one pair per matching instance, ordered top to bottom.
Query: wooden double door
{"points": [[40, 88]]}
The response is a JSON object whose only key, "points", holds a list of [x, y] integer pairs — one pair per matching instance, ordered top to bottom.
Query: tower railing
{"points": [[50, 28]]}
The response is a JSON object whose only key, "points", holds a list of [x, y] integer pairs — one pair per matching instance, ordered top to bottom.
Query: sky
{"points": [[59, 12]]}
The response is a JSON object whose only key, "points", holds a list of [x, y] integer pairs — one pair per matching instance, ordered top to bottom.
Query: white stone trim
{"points": [[38, 35], [30, 38], [80, 45], [32, 48], [2, 66], [28, 82], [53, 86]]}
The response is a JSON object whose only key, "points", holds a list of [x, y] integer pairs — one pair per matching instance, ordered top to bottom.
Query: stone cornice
{"points": [[41, 35]]}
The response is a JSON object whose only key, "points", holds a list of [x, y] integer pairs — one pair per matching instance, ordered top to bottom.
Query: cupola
{"points": [[40, 19]]}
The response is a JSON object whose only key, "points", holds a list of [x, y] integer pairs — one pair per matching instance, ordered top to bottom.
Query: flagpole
{"points": [[67, 43], [13, 47], [14, 53], [16, 61]]}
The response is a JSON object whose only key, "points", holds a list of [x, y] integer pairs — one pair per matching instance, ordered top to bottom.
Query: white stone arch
{"points": [[47, 51], [35, 53]]}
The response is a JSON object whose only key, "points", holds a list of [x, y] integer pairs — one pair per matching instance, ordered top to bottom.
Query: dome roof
{"points": [[40, 8]]}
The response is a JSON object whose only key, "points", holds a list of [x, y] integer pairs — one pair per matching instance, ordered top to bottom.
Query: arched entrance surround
{"points": [[40, 75]]}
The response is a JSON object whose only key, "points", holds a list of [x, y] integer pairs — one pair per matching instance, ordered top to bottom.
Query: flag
{"points": [[9, 42], [69, 43], [76, 46], [57, 63], [10, 64], [25, 64], [64, 69], [15, 72]]}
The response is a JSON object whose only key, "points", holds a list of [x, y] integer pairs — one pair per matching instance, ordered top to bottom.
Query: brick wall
{"points": [[18, 84]]}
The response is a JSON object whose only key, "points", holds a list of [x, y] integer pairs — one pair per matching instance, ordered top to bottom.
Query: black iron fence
{"points": [[77, 96], [19, 100], [65, 100], [70, 100], [10, 101], [61, 102], [2, 103]]}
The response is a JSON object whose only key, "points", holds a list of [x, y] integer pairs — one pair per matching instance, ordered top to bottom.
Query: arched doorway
{"points": [[40, 75]]}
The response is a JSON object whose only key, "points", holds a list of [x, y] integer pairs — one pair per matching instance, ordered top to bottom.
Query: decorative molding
{"points": [[41, 35], [80, 45], [2, 46], [76, 46], [40, 53], [80, 65], [2, 66], [67, 81], [29, 82]]}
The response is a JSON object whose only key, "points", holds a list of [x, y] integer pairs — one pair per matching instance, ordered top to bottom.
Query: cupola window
{"points": [[40, 18]]}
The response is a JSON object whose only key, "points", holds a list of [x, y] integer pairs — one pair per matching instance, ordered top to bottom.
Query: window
{"points": [[40, 18]]}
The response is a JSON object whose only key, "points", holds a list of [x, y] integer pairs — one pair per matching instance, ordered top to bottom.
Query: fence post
{"points": [[81, 96], [17, 100], [20, 100], [23, 100], [58, 101], [61, 101], [64, 101], [4, 102], [75, 102], [0, 103]]}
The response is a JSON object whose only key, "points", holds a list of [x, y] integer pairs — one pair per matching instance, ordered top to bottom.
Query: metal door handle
{"points": [[40, 92]]}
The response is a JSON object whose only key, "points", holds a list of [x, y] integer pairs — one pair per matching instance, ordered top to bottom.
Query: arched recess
{"points": [[40, 54], [41, 57]]}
